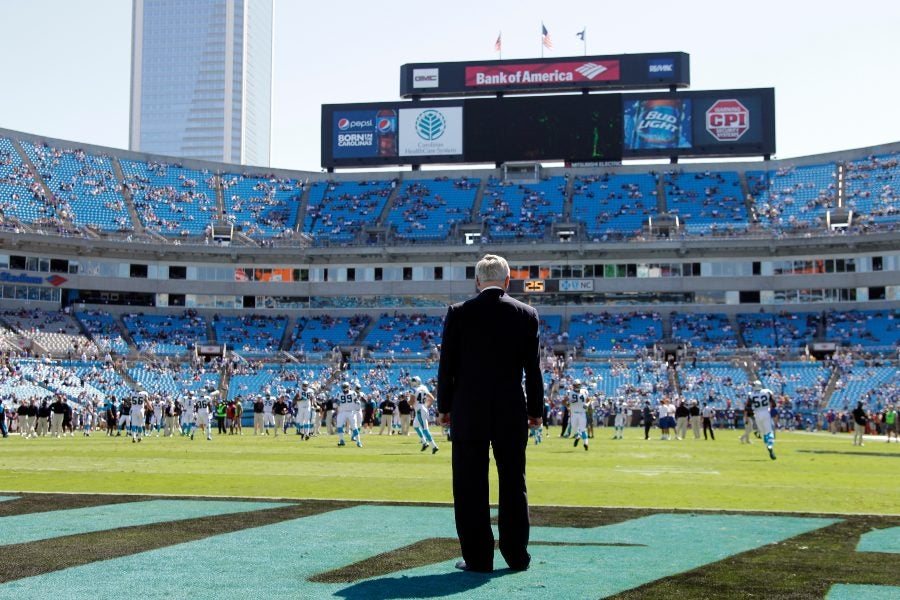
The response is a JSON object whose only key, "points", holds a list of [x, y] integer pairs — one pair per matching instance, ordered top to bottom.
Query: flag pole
{"points": [[584, 39]]}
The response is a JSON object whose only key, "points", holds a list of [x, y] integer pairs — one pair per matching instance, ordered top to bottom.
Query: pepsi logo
{"points": [[343, 124], [385, 125]]}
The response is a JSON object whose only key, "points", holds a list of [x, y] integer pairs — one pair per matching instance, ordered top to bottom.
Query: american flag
{"points": [[545, 37], [497, 44]]}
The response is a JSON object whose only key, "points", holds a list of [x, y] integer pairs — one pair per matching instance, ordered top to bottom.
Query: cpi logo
{"points": [[727, 120], [430, 125]]}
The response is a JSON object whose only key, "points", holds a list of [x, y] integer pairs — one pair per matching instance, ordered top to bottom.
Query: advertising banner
{"points": [[660, 70], [554, 72], [657, 123], [694, 124], [431, 131], [364, 134]]}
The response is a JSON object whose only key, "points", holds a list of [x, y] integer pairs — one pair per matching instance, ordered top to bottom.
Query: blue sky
{"points": [[832, 64]]}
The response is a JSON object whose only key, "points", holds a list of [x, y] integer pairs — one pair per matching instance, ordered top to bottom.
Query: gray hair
{"points": [[491, 268]]}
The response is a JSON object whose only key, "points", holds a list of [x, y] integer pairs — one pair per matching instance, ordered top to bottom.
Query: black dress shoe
{"points": [[462, 566]]}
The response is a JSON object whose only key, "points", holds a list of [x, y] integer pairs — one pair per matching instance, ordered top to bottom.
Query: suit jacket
{"points": [[489, 341]]}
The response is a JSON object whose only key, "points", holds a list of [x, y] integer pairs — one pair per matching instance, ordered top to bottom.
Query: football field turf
{"points": [[628, 519]]}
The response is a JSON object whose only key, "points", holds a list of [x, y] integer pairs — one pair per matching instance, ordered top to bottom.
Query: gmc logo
{"points": [[426, 78]]}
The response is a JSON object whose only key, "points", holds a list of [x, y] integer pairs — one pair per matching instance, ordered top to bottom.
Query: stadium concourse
{"points": [[124, 273]]}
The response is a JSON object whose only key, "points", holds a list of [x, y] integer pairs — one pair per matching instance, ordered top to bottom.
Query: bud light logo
{"points": [[661, 68]]}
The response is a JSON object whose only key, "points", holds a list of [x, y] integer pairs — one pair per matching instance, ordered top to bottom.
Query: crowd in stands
{"points": [[872, 187], [170, 199], [708, 202], [262, 207], [428, 209], [511, 210], [338, 211]]}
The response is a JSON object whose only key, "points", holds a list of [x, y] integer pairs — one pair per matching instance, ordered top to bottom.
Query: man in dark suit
{"points": [[488, 342]]}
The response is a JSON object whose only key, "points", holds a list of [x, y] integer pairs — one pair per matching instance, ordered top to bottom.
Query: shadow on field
{"points": [[851, 453], [420, 586]]}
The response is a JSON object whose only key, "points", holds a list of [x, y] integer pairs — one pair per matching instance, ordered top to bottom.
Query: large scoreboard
{"points": [[567, 127]]}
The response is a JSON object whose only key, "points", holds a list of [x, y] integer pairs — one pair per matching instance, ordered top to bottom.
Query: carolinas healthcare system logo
{"points": [[430, 125]]}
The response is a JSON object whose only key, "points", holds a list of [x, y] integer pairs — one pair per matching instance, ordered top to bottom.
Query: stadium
{"points": [[134, 275]]}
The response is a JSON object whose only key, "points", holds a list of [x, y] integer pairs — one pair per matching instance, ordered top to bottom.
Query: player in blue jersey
{"points": [[761, 400], [420, 401], [347, 414]]}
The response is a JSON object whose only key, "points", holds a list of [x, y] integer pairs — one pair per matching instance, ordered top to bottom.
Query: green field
{"points": [[814, 473], [629, 519]]}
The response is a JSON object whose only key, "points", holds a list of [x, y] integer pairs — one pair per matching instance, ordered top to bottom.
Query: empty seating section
{"points": [[84, 186], [872, 188], [21, 197], [793, 197], [169, 199], [707, 202], [613, 205], [262, 207], [427, 209], [337, 211], [511, 211], [550, 326], [104, 330], [787, 330], [873, 330], [711, 331], [56, 332], [166, 334], [321, 334], [610, 334], [251, 335], [404, 336], [63, 378], [273, 379], [174, 380], [631, 382], [715, 383], [803, 383], [876, 386]]}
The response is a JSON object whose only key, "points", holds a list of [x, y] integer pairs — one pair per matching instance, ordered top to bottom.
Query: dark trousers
{"points": [[647, 426], [707, 426], [471, 504]]}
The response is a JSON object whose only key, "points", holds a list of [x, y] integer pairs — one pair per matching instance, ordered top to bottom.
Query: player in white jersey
{"points": [[761, 400], [420, 401], [577, 401], [203, 406], [304, 406], [347, 413], [621, 413], [187, 414], [268, 414], [137, 417], [157, 421]]}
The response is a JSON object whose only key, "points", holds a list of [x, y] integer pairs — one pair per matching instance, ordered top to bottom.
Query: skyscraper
{"points": [[201, 79]]}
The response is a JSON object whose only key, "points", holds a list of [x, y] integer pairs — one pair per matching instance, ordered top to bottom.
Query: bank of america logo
{"points": [[591, 70]]}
